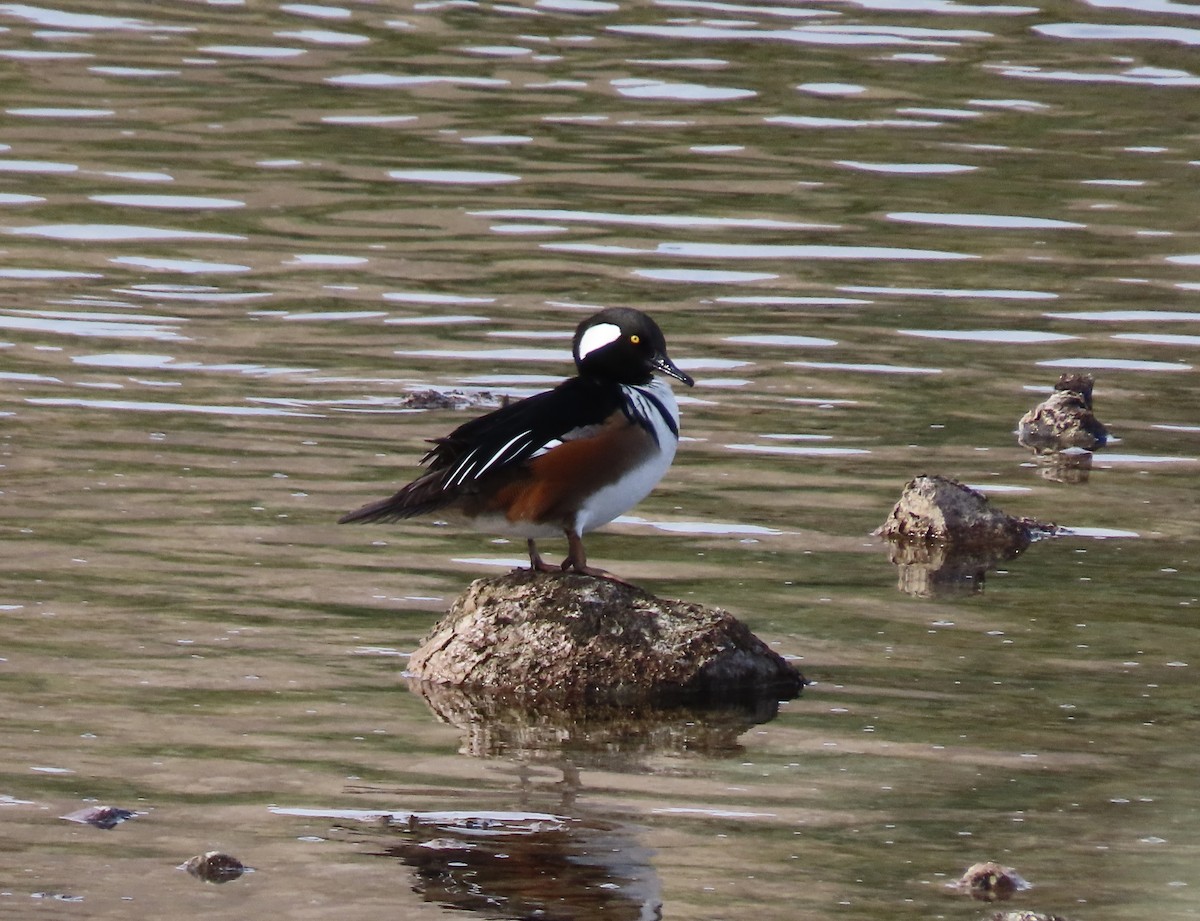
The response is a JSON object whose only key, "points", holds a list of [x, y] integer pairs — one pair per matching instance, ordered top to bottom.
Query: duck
{"points": [[565, 461]]}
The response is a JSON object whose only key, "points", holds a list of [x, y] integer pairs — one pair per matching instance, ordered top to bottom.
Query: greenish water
{"points": [[235, 238]]}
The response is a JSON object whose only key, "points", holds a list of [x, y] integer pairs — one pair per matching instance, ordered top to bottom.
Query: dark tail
{"points": [[417, 498]]}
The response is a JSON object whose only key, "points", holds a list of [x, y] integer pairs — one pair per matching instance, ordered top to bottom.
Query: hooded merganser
{"points": [[565, 461]]}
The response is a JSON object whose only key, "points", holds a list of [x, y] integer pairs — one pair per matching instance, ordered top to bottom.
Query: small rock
{"points": [[448, 399], [1065, 420], [938, 509], [580, 639], [106, 817], [215, 867], [990, 882], [1025, 916]]}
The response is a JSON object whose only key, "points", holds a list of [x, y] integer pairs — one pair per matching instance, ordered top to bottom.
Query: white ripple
{"points": [[577, 6], [316, 11], [59, 19], [1120, 33], [812, 35], [324, 37], [254, 51], [133, 71], [1136, 76], [389, 81], [832, 89], [683, 92], [61, 112], [368, 119], [813, 121], [36, 166], [915, 169], [453, 176], [12, 198], [167, 201], [649, 220], [988, 221], [113, 232], [761, 251], [326, 259], [179, 265], [43, 274], [703, 276], [990, 293], [771, 300], [1127, 316], [82, 326], [1005, 336], [1158, 338], [790, 341], [526, 354], [1115, 364], [865, 368], [147, 406], [798, 450], [698, 527]]}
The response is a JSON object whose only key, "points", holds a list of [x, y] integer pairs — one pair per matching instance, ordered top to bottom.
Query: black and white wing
{"points": [[495, 442]]}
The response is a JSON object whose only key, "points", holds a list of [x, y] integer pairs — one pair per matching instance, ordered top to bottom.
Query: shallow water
{"points": [[238, 238]]}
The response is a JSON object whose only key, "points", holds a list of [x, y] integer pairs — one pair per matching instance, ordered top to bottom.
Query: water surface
{"points": [[236, 240]]}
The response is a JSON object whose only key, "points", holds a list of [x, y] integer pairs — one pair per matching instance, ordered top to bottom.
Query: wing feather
{"points": [[494, 444]]}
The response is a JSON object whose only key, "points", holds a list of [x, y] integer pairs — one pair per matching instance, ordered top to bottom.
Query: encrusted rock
{"points": [[1065, 420], [937, 508], [579, 639], [215, 867], [990, 882]]}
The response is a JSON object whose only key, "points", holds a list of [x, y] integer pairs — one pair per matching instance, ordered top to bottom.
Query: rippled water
{"points": [[237, 238]]}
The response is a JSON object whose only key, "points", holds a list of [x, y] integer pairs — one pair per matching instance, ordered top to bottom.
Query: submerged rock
{"points": [[449, 399], [1064, 420], [938, 509], [581, 640], [105, 817], [215, 867], [990, 882], [1025, 916]]}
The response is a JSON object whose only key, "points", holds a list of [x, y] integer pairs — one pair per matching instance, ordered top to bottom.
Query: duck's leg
{"points": [[577, 560], [536, 563]]}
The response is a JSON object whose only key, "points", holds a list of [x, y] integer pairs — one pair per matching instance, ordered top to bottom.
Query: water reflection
{"points": [[938, 570], [615, 737], [521, 866]]}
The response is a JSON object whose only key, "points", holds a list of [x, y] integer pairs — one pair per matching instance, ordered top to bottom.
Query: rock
{"points": [[449, 399], [1065, 420], [938, 509], [580, 640], [105, 817], [215, 867], [990, 882], [1025, 916]]}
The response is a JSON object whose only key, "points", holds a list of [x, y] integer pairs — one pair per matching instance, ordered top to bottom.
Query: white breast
{"points": [[619, 497]]}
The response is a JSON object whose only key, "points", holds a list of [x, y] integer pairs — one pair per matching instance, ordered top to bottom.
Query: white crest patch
{"points": [[598, 336]]}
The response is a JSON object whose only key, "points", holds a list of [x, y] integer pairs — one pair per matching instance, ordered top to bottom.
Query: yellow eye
{"points": [[635, 338]]}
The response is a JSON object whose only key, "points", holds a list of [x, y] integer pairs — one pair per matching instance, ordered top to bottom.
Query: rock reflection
{"points": [[1073, 466], [932, 570], [613, 737]]}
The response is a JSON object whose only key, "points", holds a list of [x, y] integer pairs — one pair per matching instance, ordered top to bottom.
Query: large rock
{"points": [[938, 509], [579, 640]]}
